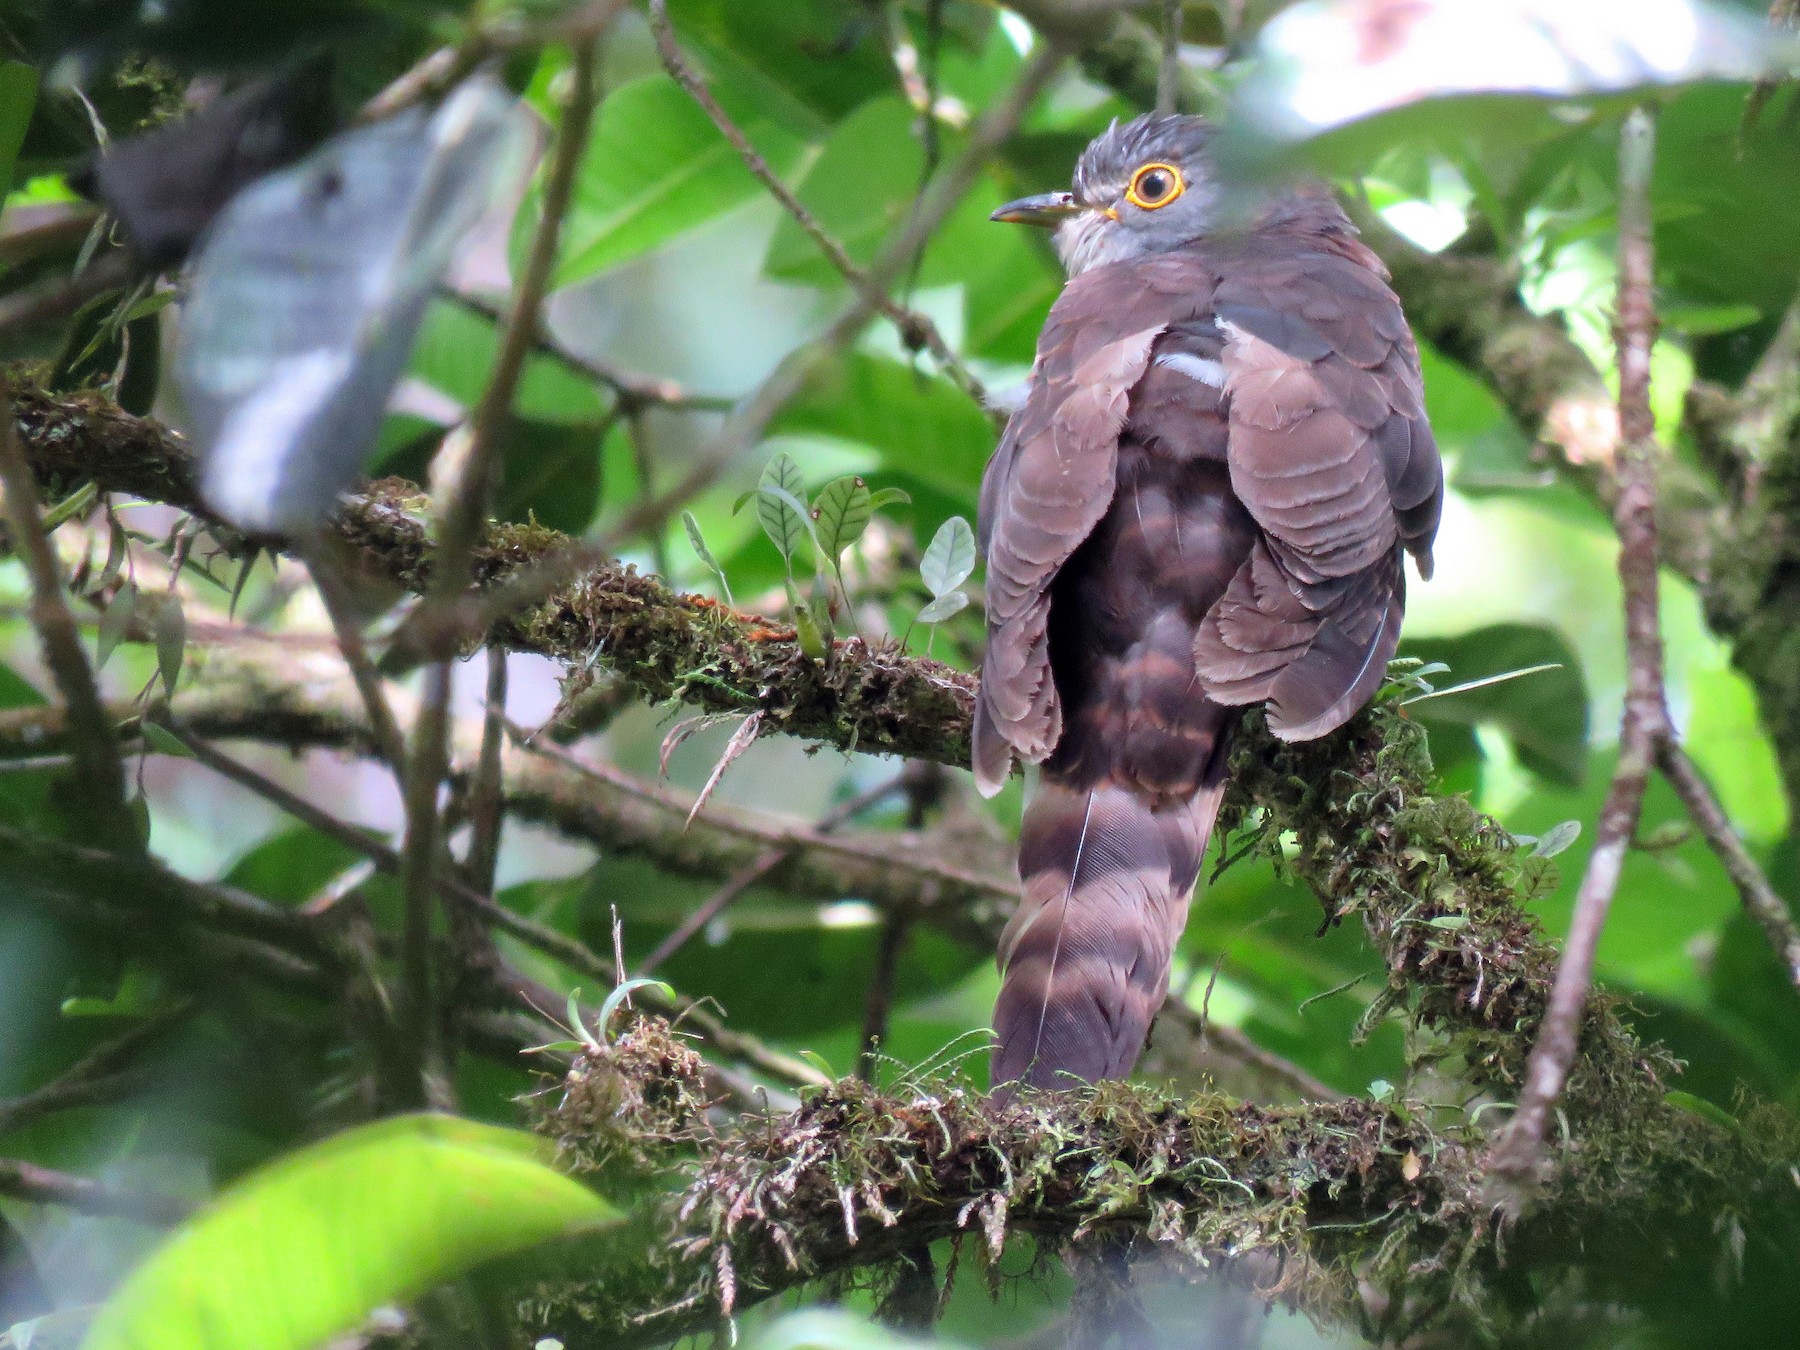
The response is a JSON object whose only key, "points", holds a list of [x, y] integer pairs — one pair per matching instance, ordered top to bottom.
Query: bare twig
{"points": [[1168, 74], [63, 297], [916, 330], [635, 391], [638, 433], [460, 522], [433, 631], [383, 725], [102, 774], [486, 791], [766, 862], [1760, 899], [878, 1007], [100, 1076], [1519, 1151], [21, 1180]]}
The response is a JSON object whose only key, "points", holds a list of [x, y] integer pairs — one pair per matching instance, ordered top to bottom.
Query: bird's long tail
{"points": [[1105, 877]]}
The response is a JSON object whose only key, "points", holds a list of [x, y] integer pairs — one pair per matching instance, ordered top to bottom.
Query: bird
{"points": [[1202, 505]]}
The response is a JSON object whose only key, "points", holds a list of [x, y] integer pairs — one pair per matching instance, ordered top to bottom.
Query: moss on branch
{"points": [[665, 644], [1376, 1213]]}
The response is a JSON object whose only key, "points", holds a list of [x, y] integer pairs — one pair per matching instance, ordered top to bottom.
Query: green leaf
{"points": [[813, 61], [18, 96], [655, 168], [860, 189], [455, 355], [894, 409], [551, 473], [889, 496], [781, 505], [843, 511], [698, 541], [949, 558], [944, 607], [115, 622], [169, 627], [815, 640], [162, 741], [1556, 839], [294, 865], [1450, 922], [618, 996], [596, 1044], [1699, 1106], [304, 1249]]}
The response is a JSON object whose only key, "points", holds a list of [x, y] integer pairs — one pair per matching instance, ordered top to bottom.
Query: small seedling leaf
{"points": [[781, 505], [843, 511], [704, 553], [950, 557], [944, 607], [115, 621], [170, 627], [162, 741], [1555, 839], [623, 991]]}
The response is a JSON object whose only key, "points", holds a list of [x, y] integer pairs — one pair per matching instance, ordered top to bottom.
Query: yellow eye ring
{"points": [[1155, 185]]}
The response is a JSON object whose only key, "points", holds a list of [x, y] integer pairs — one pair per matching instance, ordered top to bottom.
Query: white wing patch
{"points": [[1201, 368]]}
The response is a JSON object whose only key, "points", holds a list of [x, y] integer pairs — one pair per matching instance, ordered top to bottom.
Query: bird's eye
{"points": [[1155, 185]]}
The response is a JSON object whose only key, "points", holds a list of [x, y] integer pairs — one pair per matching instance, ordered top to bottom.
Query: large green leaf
{"points": [[813, 61], [18, 96], [655, 168], [859, 189], [455, 355], [929, 426], [552, 473], [1544, 714], [293, 866], [306, 1248]]}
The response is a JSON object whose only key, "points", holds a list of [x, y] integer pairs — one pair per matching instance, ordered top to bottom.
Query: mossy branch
{"points": [[1437, 884], [1376, 1215]]}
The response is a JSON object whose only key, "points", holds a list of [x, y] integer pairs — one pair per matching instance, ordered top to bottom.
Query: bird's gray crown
{"points": [[1112, 156], [1117, 223]]}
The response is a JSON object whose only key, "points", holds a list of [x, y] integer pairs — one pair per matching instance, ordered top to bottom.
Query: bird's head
{"points": [[1145, 187]]}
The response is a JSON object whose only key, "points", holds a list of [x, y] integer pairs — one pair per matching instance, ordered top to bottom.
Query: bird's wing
{"points": [[1331, 453], [1049, 484]]}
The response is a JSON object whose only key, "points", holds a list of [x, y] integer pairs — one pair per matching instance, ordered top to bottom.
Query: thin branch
{"points": [[1168, 75], [916, 330], [635, 391], [460, 525], [432, 631], [383, 725], [102, 774], [486, 790], [770, 859], [1760, 899], [572, 952], [878, 1006], [98, 1077], [1520, 1151], [21, 1180]]}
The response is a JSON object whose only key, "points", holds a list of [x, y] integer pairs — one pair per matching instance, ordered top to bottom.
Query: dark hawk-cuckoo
{"points": [[1202, 505]]}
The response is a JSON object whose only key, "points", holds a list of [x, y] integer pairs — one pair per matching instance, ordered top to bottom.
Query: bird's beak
{"points": [[1047, 208]]}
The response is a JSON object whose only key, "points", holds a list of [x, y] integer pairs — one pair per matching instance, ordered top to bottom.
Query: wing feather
{"points": [[1330, 452]]}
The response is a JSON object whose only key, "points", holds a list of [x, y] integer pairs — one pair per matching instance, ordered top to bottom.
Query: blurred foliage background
{"points": [[679, 286]]}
